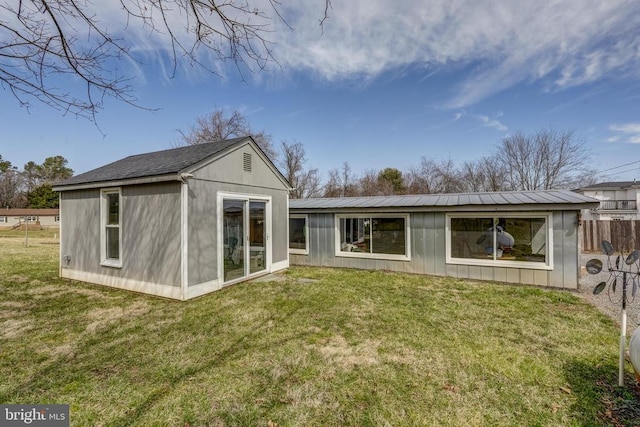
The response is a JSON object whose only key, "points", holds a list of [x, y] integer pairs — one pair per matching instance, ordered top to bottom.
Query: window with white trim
{"points": [[3, 219], [111, 230], [298, 232], [382, 236], [501, 239]]}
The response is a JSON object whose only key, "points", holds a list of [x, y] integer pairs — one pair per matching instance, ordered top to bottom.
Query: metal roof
{"points": [[157, 163], [506, 198]]}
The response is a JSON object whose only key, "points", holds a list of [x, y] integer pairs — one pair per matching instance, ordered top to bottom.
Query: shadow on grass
{"points": [[599, 401]]}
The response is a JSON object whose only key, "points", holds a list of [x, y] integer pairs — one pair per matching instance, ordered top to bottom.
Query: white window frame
{"points": [[3, 219], [304, 251], [366, 255], [110, 262], [547, 265]]}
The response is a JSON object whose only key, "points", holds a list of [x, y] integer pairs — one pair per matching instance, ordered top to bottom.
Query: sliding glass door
{"points": [[244, 237], [233, 238]]}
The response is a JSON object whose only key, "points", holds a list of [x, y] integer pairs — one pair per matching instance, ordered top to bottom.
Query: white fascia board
{"points": [[119, 183]]}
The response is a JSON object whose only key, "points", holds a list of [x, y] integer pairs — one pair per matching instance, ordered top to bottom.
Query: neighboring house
{"points": [[618, 201], [14, 218], [176, 223], [528, 237]]}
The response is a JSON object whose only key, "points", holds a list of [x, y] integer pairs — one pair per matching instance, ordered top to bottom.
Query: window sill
{"points": [[298, 252], [367, 255], [111, 263], [500, 263]]}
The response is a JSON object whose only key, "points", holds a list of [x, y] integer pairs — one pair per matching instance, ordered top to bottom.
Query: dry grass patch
{"points": [[339, 352]]}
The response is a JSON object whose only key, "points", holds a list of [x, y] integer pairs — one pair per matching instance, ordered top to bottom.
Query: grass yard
{"points": [[323, 347]]}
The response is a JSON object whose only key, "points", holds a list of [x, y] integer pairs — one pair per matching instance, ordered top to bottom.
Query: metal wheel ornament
{"points": [[621, 285]]}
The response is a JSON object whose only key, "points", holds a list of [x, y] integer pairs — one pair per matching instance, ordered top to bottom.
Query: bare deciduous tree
{"points": [[46, 42], [220, 125], [544, 160], [485, 174], [439, 176], [305, 182], [341, 183], [11, 184], [368, 184]]}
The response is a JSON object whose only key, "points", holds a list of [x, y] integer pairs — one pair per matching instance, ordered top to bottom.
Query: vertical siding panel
{"points": [[418, 242], [314, 244], [439, 244], [570, 253], [453, 270], [463, 271], [475, 272], [487, 273], [500, 274], [557, 274], [513, 275], [526, 277], [541, 277]]}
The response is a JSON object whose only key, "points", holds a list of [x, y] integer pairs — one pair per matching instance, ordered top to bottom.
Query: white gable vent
{"points": [[246, 162]]}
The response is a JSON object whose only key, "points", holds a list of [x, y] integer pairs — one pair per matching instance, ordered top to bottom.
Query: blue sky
{"points": [[381, 87]]}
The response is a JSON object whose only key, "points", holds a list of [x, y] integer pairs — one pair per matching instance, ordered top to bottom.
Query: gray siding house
{"points": [[177, 223], [528, 237]]}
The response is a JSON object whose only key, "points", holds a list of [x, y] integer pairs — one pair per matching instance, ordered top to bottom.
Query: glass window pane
{"points": [[113, 209], [355, 234], [233, 235], [297, 236], [388, 236], [257, 237], [529, 237], [472, 238], [113, 243]]}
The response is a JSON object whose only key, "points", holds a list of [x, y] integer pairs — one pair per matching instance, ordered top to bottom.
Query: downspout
{"points": [[184, 234]]}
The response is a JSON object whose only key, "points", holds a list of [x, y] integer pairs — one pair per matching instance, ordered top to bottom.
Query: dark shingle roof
{"points": [[158, 163], [545, 197]]}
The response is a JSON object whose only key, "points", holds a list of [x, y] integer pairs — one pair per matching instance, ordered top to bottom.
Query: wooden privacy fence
{"points": [[624, 235]]}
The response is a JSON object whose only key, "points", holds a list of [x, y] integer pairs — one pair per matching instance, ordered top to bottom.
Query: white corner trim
{"points": [[184, 239], [280, 265], [203, 289], [166, 291]]}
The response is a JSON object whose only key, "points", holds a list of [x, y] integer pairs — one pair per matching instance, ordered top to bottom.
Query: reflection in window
{"points": [[298, 234], [373, 235], [499, 238], [111, 244]]}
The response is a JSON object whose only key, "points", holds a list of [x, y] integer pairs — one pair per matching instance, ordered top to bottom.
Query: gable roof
{"points": [[165, 164], [611, 185], [544, 199]]}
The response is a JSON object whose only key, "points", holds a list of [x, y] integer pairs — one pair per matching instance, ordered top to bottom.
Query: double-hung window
{"points": [[111, 232], [381, 236], [500, 239]]}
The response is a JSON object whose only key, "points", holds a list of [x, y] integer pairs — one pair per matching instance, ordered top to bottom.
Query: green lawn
{"points": [[324, 347]]}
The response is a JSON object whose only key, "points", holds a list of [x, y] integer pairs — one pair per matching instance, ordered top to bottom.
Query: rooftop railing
{"points": [[618, 205]]}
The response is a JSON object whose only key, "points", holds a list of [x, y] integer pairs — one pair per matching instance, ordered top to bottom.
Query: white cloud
{"points": [[562, 43], [485, 121], [625, 132]]}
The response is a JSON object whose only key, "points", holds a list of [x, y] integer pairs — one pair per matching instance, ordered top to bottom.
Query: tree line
{"points": [[543, 160], [31, 186]]}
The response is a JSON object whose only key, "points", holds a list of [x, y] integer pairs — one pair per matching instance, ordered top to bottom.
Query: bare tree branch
{"points": [[49, 44]]}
